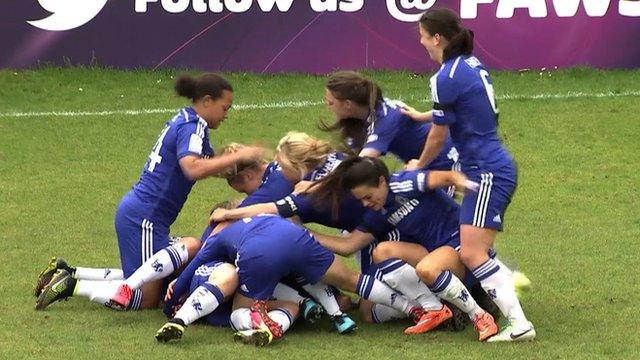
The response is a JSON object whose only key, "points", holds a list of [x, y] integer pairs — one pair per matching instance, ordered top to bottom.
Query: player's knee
{"points": [[192, 244], [382, 252], [469, 257], [427, 271], [225, 277]]}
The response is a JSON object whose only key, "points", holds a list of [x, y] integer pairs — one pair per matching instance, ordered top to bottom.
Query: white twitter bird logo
{"points": [[68, 14]]}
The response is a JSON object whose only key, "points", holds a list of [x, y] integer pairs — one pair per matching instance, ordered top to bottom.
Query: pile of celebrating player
{"points": [[423, 256]]}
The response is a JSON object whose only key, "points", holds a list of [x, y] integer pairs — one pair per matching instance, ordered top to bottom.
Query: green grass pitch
{"points": [[573, 226]]}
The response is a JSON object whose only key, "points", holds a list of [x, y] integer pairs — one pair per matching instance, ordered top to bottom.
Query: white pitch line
{"points": [[304, 103]]}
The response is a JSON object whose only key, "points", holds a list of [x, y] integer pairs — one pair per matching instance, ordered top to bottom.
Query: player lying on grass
{"points": [[422, 213], [267, 248], [212, 286]]}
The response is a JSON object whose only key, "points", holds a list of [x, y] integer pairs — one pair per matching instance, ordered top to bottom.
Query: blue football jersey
{"points": [[463, 97], [398, 134], [331, 162], [274, 186], [163, 187], [349, 214], [421, 215], [224, 246]]}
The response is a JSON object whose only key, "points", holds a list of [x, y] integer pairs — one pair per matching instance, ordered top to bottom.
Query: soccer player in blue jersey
{"points": [[465, 107], [372, 125], [181, 156], [423, 214]]}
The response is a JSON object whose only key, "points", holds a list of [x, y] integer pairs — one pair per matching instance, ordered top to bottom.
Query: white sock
{"points": [[160, 265], [503, 265], [84, 273], [402, 277], [497, 282], [450, 288], [97, 291], [286, 293], [380, 293], [324, 295], [202, 302], [383, 313], [282, 317], [240, 319]]}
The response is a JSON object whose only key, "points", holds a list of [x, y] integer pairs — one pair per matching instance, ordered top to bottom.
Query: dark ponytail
{"points": [[447, 24], [350, 85], [197, 88], [353, 133], [351, 173]]}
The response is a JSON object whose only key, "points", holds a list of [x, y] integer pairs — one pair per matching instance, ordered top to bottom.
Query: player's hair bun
{"points": [[206, 84], [186, 86]]}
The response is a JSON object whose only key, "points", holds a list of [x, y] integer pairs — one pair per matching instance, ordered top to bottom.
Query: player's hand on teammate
{"points": [[415, 114], [413, 164], [463, 184], [218, 215], [169, 293]]}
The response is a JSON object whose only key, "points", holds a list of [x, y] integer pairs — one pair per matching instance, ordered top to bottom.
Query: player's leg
{"points": [[481, 217], [162, 263], [438, 270], [78, 272], [401, 276], [64, 285], [367, 286], [205, 298], [311, 311], [249, 325]]}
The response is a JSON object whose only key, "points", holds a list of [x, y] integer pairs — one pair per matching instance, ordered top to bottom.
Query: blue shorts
{"points": [[486, 208], [138, 236], [268, 256], [364, 257], [220, 316]]}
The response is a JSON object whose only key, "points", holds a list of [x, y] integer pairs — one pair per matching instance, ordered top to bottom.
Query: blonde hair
{"points": [[302, 152], [231, 172], [227, 205]]}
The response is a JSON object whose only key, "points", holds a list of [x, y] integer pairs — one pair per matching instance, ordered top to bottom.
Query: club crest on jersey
{"points": [[401, 200]]}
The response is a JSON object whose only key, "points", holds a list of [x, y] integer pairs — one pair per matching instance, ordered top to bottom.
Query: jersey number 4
{"points": [[154, 157]]}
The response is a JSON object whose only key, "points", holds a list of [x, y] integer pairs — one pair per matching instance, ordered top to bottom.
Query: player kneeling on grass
{"points": [[423, 214], [212, 285]]}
